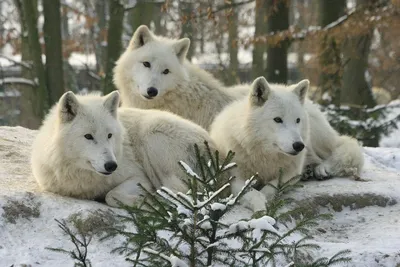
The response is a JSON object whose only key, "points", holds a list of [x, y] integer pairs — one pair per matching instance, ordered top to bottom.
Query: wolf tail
{"points": [[347, 158]]}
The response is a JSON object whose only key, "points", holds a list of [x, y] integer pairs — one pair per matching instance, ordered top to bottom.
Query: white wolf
{"points": [[153, 73], [270, 130], [87, 148]]}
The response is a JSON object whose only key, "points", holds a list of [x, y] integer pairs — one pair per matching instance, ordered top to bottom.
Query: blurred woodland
{"points": [[350, 50]]}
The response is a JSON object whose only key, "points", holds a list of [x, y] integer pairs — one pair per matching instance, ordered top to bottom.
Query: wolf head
{"points": [[151, 65], [278, 115], [89, 131]]}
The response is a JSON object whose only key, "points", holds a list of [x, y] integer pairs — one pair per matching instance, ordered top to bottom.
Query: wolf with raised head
{"points": [[153, 73], [271, 130], [88, 148]]}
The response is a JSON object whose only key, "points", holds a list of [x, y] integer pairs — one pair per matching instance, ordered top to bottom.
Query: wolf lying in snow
{"points": [[153, 73], [270, 130], [88, 148]]}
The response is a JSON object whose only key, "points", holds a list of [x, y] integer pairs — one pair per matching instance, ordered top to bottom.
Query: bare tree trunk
{"points": [[186, 8], [145, 12], [29, 15], [278, 20], [64, 23], [114, 42], [233, 48], [100, 49], [259, 49], [54, 57], [329, 57], [356, 88], [27, 117]]}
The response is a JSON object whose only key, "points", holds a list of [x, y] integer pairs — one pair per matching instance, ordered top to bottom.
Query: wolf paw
{"points": [[322, 172], [113, 197], [254, 200]]}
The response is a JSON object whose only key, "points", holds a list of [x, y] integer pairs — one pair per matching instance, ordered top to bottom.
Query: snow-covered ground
{"points": [[393, 139], [366, 213]]}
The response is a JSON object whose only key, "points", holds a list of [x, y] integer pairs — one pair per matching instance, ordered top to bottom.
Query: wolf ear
{"points": [[141, 37], [181, 48], [301, 89], [260, 90], [111, 102], [68, 107]]}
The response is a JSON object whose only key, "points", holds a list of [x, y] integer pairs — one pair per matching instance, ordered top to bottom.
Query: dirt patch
{"points": [[336, 202], [26, 208], [98, 222]]}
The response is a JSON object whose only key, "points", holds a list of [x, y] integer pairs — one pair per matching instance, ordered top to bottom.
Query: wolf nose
{"points": [[152, 92], [298, 146], [110, 166]]}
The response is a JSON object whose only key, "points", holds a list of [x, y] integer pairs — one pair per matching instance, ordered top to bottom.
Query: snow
{"points": [[245, 57], [75, 60], [17, 80], [10, 92], [393, 139], [387, 157], [229, 165], [189, 170], [201, 204], [218, 206], [182, 210], [263, 223], [258, 225], [237, 227], [369, 227], [175, 261]]}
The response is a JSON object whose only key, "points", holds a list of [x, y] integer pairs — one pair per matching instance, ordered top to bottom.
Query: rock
{"points": [[365, 212]]}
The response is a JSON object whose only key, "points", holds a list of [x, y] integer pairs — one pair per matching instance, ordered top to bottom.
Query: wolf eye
{"points": [[146, 64], [166, 71], [278, 120], [298, 120], [89, 136], [109, 136]]}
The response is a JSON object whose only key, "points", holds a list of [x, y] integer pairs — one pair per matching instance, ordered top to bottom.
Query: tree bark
{"points": [[144, 13], [29, 15], [278, 20], [187, 26], [114, 42], [233, 48], [100, 49], [259, 49], [54, 57], [329, 57], [356, 89], [27, 118]]}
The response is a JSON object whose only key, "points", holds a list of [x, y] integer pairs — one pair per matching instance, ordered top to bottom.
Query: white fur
{"points": [[186, 90], [146, 145], [262, 145]]}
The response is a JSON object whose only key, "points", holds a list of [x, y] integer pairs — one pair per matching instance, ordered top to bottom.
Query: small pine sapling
{"points": [[368, 125], [193, 220], [188, 229], [80, 239]]}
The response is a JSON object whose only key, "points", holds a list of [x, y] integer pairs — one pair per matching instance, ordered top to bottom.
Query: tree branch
{"points": [[221, 8], [292, 35], [19, 63], [17, 80]]}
